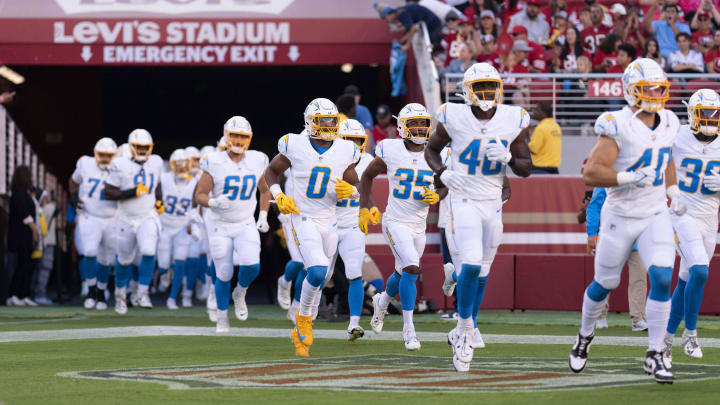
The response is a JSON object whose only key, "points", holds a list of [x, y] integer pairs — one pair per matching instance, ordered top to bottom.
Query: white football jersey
{"points": [[469, 138], [638, 146], [693, 161], [407, 172], [126, 173], [314, 175], [91, 179], [238, 180], [177, 199], [348, 209], [443, 209]]}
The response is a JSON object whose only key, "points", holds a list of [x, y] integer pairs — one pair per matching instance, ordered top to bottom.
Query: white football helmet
{"points": [[641, 77], [482, 86], [704, 112], [321, 119], [414, 123], [351, 130], [237, 134], [141, 145], [222, 145], [105, 150], [206, 150], [124, 151], [193, 154], [180, 163]]}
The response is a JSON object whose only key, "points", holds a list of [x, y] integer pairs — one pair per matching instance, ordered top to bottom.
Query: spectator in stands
{"points": [[555, 7], [690, 7], [476, 8], [441, 10], [575, 16], [405, 18], [584, 19], [487, 24], [560, 25], [538, 30], [665, 30], [631, 31], [594, 34], [467, 35], [702, 39], [572, 49], [652, 51], [489, 52], [625, 54], [606, 55], [712, 58], [686, 60], [535, 61], [462, 63], [578, 87], [516, 90], [7, 97], [346, 107], [362, 113], [384, 129], [546, 141], [23, 236], [42, 276]]}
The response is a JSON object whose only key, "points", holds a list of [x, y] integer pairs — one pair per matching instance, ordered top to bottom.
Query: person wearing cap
{"points": [[690, 7], [405, 18], [487, 23], [560, 24], [538, 30], [665, 30], [596, 32], [466, 35], [702, 39], [489, 53], [535, 60], [362, 113], [384, 129]]}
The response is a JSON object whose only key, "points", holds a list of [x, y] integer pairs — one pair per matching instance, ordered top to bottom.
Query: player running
{"points": [[480, 131], [696, 154], [632, 159], [323, 172], [233, 177], [410, 181], [135, 183], [95, 223]]}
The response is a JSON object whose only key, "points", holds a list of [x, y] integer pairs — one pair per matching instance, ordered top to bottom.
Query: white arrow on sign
{"points": [[86, 53], [294, 53]]}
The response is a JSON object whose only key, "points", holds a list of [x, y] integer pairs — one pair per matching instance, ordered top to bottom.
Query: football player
{"points": [[487, 136], [632, 159], [697, 160], [323, 172], [234, 177], [135, 183], [411, 185], [178, 186], [95, 220], [198, 221], [196, 267]]}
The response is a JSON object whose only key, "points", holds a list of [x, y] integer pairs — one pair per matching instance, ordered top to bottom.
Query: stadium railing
{"points": [[426, 70], [577, 99]]}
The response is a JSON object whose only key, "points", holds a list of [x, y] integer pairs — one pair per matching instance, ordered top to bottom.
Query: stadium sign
{"points": [[173, 6], [404, 373]]}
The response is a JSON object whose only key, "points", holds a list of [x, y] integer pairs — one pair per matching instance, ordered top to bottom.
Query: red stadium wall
{"points": [[541, 264]]}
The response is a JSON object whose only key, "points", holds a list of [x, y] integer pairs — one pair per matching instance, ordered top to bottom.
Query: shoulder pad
{"points": [[441, 114], [524, 118], [606, 125]]}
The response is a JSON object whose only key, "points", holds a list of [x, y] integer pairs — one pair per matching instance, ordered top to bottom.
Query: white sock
{"points": [[208, 280], [91, 281], [283, 283], [102, 286], [142, 288], [240, 289], [121, 291], [307, 298], [384, 300], [591, 311], [222, 313], [657, 313], [408, 319], [354, 321], [465, 324], [689, 332], [669, 336]]}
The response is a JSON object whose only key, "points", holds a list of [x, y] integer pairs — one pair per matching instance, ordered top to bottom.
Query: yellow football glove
{"points": [[141, 190], [344, 190], [430, 197], [285, 204], [159, 207], [375, 215], [363, 220], [281, 234]]}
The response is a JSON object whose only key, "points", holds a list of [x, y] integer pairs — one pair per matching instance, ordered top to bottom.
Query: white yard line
{"points": [[142, 331]]}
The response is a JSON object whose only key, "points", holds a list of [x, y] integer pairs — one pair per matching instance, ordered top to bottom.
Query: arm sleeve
{"points": [[406, 20], [592, 214]]}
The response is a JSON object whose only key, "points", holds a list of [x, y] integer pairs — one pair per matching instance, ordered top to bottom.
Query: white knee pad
{"points": [[148, 234], [314, 240], [246, 245], [351, 247], [164, 251]]}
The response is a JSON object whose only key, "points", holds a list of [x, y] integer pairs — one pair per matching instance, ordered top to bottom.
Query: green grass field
{"points": [[218, 369]]}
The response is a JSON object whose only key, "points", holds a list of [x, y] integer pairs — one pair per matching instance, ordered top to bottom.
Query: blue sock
{"points": [[90, 267], [81, 268], [204, 268], [146, 269], [191, 269], [291, 270], [162, 271], [211, 271], [134, 272], [178, 273], [103, 274], [246, 274], [122, 275], [316, 275], [454, 276], [482, 281], [298, 284], [378, 284], [392, 287], [467, 287], [408, 291], [222, 294], [694, 294], [355, 297], [678, 307]]}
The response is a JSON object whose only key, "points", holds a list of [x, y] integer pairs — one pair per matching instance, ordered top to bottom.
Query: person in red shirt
{"points": [[555, 7], [487, 23], [465, 34], [593, 35], [702, 39], [572, 49], [489, 53], [625, 54], [606, 55], [712, 57], [535, 60], [517, 91], [384, 129]]}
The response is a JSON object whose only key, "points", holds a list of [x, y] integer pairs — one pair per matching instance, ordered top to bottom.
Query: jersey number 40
{"points": [[471, 157]]}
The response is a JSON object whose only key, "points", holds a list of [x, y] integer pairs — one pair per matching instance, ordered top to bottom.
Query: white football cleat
{"points": [[165, 280], [448, 284], [201, 290], [283, 293], [134, 298], [187, 299], [144, 300], [29, 302], [89, 303], [120, 303], [171, 304], [211, 304], [100, 305], [241, 309], [292, 311], [379, 313], [601, 323], [223, 324], [639, 326], [355, 332], [411, 341], [477, 341], [463, 347], [691, 347], [579, 352], [667, 353], [655, 365], [460, 366]]}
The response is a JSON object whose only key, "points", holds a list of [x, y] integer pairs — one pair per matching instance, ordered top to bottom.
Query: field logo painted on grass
{"points": [[403, 373]]}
